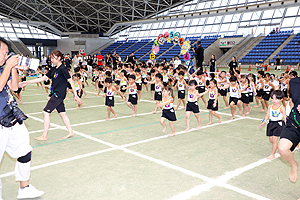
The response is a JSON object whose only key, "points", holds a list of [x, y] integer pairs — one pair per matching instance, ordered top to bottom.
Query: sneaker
{"points": [[29, 192]]}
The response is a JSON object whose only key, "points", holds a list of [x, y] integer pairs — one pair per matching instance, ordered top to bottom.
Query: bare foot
{"points": [[146, 91], [47, 93], [97, 95], [85, 96], [66, 98], [151, 99], [122, 100], [21, 102], [205, 105], [257, 106], [77, 107], [226, 107], [176, 108], [262, 110], [240, 111], [249, 111], [132, 112], [154, 112], [134, 115], [244, 115], [115, 116], [231, 118], [107, 119], [220, 120], [209, 123], [199, 127], [164, 129], [187, 129], [171, 135], [68, 136], [41, 138], [270, 157], [293, 173]]}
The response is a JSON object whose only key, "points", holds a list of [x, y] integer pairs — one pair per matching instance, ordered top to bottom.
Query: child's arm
{"points": [[80, 86], [225, 87], [118, 91], [203, 93], [240, 93], [197, 96], [216, 98], [166, 103], [282, 110], [266, 118]]}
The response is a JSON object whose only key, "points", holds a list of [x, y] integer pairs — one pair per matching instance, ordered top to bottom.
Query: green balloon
{"points": [[156, 43]]}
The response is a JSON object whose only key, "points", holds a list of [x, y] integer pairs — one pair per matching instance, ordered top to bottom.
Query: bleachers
{"points": [[233, 36], [208, 40], [124, 46], [111, 47], [265, 47], [133, 48], [290, 54]]}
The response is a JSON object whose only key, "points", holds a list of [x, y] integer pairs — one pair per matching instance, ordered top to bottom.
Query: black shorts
{"points": [[94, 78], [24, 79], [144, 80], [48, 82], [117, 82], [175, 83], [165, 84], [69, 85], [100, 85], [138, 86], [152, 87], [200, 89], [123, 90], [18, 91], [223, 92], [260, 92], [285, 93], [79, 94], [181, 94], [157, 96], [266, 96], [250, 97], [245, 98], [132, 99], [233, 99], [110, 101], [55, 103], [210, 105], [193, 107], [169, 114], [274, 128], [291, 133]]}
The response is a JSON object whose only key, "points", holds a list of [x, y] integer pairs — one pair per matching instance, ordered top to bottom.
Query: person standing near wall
{"points": [[199, 55], [212, 63]]}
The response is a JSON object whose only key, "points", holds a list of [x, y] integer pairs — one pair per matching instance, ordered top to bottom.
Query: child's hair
{"points": [[40, 67], [115, 67], [47, 68], [165, 68], [76, 69], [138, 70], [152, 71], [238, 71], [124, 72], [200, 72], [223, 72], [108, 73], [181, 73], [262, 73], [293, 73], [77, 75], [158, 75], [267, 75], [132, 76], [212, 76], [253, 77], [233, 79], [108, 80], [214, 81], [193, 82], [170, 90], [278, 93]]}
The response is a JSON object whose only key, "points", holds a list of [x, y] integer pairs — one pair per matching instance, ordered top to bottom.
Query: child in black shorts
{"points": [[222, 83], [78, 85], [181, 86], [158, 90], [132, 99], [277, 119]]}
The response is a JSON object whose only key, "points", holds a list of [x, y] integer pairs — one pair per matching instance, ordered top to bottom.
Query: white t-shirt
{"points": [[44, 60], [176, 63]]}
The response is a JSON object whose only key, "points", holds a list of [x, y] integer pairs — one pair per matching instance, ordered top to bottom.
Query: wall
{"points": [[229, 42], [92, 43], [214, 48]]}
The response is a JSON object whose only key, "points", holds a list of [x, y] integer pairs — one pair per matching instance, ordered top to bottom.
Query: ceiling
{"points": [[84, 15]]}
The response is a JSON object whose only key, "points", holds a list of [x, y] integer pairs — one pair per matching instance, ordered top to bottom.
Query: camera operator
{"points": [[199, 55], [60, 77], [14, 139]]}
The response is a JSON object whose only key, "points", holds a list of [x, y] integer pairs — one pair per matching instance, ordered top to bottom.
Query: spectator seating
{"points": [[233, 36]]}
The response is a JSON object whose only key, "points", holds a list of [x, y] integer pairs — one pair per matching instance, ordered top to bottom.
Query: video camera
{"points": [[14, 115]]}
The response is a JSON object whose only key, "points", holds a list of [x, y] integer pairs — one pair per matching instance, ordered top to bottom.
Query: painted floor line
{"points": [[163, 163]]}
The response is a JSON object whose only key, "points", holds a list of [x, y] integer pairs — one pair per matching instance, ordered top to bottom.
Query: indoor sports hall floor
{"points": [[129, 158]]}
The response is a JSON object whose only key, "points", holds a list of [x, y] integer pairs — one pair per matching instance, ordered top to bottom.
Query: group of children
{"points": [[163, 80]]}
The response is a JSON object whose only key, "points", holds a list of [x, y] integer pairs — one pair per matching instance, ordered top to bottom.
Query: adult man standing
{"points": [[199, 55], [99, 59], [132, 59], [14, 139]]}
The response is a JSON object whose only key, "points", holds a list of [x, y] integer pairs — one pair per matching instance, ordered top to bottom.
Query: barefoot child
{"points": [[39, 74], [100, 82], [138, 82], [47, 83], [123, 83], [222, 83], [201, 84], [267, 84], [78, 85], [152, 85], [244, 85], [181, 86], [158, 89], [259, 89], [251, 90], [235, 95], [109, 97], [132, 99], [213, 101], [192, 104], [168, 111], [276, 115]]}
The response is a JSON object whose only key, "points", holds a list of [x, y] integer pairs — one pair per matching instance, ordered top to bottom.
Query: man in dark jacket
{"points": [[199, 52]]}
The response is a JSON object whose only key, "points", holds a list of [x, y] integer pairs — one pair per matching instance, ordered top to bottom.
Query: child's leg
{"points": [[87, 84], [37, 85], [96, 85], [146, 86], [47, 91], [67, 93], [85, 95], [139, 95], [151, 95], [179, 101], [204, 101], [226, 102], [257, 102], [284, 102], [184, 103], [266, 103], [263, 105], [130, 106], [156, 106], [239, 106], [249, 108], [135, 110], [233, 110], [244, 110], [113, 112], [108, 113], [188, 115], [217, 115], [209, 117], [199, 120], [162, 122], [172, 128], [273, 140]]}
